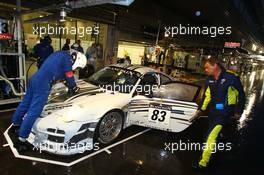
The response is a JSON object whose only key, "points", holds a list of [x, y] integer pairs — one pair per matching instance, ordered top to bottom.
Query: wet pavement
{"points": [[146, 154]]}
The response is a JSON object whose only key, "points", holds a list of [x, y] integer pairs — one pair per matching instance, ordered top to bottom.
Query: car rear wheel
{"points": [[109, 127]]}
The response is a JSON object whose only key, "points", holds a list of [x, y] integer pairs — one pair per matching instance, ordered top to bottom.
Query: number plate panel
{"points": [[159, 115]]}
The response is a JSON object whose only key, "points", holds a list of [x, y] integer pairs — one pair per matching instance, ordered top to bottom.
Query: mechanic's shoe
{"points": [[14, 129], [23, 146], [199, 168]]}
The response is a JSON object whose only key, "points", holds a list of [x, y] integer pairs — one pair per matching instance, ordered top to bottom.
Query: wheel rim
{"points": [[110, 127]]}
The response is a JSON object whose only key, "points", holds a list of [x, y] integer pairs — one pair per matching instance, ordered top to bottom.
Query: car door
{"points": [[169, 108]]}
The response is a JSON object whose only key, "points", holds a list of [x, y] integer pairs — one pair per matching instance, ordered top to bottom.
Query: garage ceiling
{"points": [[246, 17]]}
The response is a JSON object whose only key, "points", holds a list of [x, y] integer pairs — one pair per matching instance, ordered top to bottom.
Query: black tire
{"points": [[109, 127]]}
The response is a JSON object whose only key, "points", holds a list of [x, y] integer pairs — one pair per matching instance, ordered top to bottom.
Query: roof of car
{"points": [[137, 68]]}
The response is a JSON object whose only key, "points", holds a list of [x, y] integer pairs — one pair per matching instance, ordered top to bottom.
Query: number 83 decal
{"points": [[158, 115]]}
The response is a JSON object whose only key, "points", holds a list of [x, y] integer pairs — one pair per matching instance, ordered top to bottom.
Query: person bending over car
{"points": [[58, 66]]}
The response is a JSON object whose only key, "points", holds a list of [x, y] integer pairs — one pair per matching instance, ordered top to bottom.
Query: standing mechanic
{"points": [[43, 50], [58, 66], [224, 97]]}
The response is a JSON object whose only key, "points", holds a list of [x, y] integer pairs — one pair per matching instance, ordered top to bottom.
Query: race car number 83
{"points": [[159, 113]]}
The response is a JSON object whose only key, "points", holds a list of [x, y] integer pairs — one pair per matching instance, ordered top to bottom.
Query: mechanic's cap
{"points": [[79, 60]]}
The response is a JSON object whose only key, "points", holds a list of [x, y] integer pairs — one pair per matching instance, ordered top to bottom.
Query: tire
{"points": [[109, 127]]}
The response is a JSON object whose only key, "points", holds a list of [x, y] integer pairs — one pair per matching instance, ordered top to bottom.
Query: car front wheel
{"points": [[109, 127]]}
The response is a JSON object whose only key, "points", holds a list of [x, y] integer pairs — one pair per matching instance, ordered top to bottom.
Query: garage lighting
{"points": [[123, 2], [66, 8], [198, 13], [63, 14], [254, 47], [258, 57], [139, 162]]}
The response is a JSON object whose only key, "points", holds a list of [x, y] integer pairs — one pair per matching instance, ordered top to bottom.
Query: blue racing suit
{"points": [[58, 66], [223, 97]]}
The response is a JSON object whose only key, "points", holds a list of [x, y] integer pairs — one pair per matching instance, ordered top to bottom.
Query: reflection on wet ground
{"points": [[252, 120], [146, 154]]}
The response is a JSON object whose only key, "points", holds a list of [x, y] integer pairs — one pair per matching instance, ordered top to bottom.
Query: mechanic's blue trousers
{"points": [[31, 107]]}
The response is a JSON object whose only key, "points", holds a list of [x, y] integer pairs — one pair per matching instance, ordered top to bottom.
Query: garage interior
{"points": [[135, 29]]}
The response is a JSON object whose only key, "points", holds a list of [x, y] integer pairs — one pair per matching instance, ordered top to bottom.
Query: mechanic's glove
{"points": [[73, 91], [197, 114]]}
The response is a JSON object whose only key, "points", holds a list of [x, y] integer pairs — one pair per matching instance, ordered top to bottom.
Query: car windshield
{"points": [[115, 79]]}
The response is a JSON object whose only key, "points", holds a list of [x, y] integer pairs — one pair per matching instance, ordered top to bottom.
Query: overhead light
{"points": [[123, 2], [64, 10], [198, 13], [63, 14], [40, 16], [166, 34], [254, 47], [258, 57], [139, 162]]}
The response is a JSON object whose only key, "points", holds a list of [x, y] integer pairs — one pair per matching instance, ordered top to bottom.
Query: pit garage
{"points": [[129, 87]]}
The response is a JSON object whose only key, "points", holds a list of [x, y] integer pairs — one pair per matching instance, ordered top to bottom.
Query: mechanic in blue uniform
{"points": [[43, 50], [58, 66], [225, 99]]}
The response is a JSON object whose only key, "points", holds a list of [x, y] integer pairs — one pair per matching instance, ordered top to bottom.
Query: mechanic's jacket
{"points": [[58, 66], [223, 97]]}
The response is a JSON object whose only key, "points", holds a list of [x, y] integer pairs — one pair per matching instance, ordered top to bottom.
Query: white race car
{"points": [[110, 100]]}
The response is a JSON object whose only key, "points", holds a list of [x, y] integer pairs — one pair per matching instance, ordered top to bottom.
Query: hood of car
{"points": [[59, 91], [90, 104]]}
